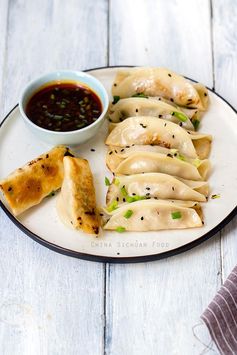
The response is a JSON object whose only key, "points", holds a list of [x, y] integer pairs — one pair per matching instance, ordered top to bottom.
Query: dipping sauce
{"points": [[64, 107]]}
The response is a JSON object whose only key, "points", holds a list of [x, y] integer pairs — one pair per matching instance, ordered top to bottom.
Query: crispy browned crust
{"points": [[27, 186], [84, 213]]}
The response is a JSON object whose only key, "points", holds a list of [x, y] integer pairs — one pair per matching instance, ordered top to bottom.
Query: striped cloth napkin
{"points": [[220, 316]]}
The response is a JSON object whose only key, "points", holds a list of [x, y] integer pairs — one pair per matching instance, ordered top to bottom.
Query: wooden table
{"points": [[53, 304]]}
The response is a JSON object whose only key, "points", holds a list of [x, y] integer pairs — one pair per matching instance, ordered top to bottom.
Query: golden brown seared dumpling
{"points": [[158, 82], [147, 130], [27, 186], [76, 203], [152, 215]]}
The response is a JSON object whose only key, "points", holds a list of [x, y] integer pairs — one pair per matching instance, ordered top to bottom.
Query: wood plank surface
{"points": [[225, 45], [49, 303], [153, 307]]}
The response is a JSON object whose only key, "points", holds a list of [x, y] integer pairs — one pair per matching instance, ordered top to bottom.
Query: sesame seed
{"points": [[169, 75], [92, 150], [142, 218]]}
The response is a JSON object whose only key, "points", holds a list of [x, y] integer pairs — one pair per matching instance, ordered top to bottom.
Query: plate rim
{"points": [[111, 259]]}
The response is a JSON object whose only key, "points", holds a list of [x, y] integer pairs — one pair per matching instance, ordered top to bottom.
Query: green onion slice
{"points": [[140, 94], [116, 99], [181, 116], [196, 124], [107, 182], [116, 182], [124, 191], [215, 196], [113, 206], [128, 214], [176, 215], [120, 229]]}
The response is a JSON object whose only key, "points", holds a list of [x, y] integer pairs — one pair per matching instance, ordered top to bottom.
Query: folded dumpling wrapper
{"points": [[159, 82], [135, 106], [147, 130], [116, 155], [149, 162], [28, 185], [152, 185], [76, 203], [152, 215]]}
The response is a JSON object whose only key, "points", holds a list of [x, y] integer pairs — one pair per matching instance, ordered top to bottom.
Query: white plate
{"points": [[18, 145]]}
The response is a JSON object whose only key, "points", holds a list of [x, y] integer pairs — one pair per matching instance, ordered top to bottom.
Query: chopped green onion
{"points": [[140, 94], [52, 96], [116, 99], [181, 116], [57, 117], [196, 124], [180, 157], [196, 162], [107, 182], [116, 182], [124, 191], [52, 193], [215, 196], [131, 199], [113, 206], [128, 214], [176, 215], [120, 229]]}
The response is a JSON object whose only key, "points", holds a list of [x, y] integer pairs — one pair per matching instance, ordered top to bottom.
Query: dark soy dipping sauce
{"points": [[63, 107]]}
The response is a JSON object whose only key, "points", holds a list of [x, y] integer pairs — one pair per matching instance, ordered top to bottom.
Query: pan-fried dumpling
{"points": [[157, 82], [134, 106], [146, 130], [148, 162], [150, 185], [27, 186], [76, 203], [152, 215]]}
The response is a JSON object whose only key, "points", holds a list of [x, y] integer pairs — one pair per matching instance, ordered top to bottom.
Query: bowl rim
{"points": [[58, 72]]}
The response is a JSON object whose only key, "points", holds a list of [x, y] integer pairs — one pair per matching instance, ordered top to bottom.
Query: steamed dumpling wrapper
{"points": [[157, 82], [134, 106], [147, 130], [117, 155], [148, 162], [30, 184], [151, 185], [76, 203], [152, 215]]}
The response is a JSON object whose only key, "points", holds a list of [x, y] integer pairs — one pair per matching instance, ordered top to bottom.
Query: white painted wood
{"points": [[3, 31], [173, 34], [225, 45], [49, 303], [152, 308]]}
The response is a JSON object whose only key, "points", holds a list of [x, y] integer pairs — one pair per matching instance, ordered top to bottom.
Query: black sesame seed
{"points": [[169, 75], [115, 84], [205, 94], [172, 100], [136, 110], [160, 116], [180, 123], [165, 124], [173, 136], [127, 146], [92, 150], [121, 150], [115, 151], [111, 152], [47, 155], [169, 155], [9, 188], [148, 188], [173, 188], [133, 194], [148, 194], [117, 199], [124, 200], [101, 214], [142, 218], [202, 222]]}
